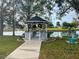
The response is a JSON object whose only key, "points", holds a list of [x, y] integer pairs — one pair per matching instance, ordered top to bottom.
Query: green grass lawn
{"points": [[7, 45], [59, 49]]}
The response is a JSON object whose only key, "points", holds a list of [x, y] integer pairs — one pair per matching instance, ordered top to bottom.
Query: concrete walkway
{"points": [[28, 50]]}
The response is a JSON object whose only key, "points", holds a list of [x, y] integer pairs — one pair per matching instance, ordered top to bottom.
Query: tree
{"points": [[74, 4], [66, 6], [29, 8], [7, 13], [3, 14], [13, 17], [1, 18], [58, 24], [73, 24], [65, 25], [69, 25]]}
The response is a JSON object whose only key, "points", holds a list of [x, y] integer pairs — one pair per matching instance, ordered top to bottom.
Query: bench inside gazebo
{"points": [[36, 29]]}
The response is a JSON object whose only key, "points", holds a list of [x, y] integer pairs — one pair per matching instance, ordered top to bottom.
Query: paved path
{"points": [[28, 50]]}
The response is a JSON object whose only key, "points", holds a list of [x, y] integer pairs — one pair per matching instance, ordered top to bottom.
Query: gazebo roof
{"points": [[37, 19]]}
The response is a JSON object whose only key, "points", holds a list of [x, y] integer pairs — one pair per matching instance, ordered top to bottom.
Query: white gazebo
{"points": [[37, 29]]}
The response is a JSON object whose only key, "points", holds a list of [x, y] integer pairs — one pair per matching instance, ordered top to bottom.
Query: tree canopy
{"points": [[68, 5], [30, 8], [69, 25]]}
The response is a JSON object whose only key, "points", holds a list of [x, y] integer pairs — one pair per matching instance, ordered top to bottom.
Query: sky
{"points": [[68, 18]]}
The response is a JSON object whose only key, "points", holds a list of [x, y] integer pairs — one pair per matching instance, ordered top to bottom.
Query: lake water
{"points": [[17, 33], [20, 33]]}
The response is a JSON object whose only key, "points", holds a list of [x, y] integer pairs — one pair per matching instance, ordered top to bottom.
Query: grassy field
{"points": [[7, 45], [59, 49]]}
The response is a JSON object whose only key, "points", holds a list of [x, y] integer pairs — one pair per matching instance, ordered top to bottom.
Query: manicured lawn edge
{"points": [[8, 44]]}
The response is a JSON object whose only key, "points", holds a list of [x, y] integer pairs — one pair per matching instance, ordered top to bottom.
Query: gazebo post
{"points": [[27, 28], [46, 31], [29, 35], [39, 35]]}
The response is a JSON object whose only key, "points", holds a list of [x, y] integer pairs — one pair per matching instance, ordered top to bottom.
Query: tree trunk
{"points": [[28, 17], [13, 18], [1, 20], [1, 24], [13, 26], [1, 27]]}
